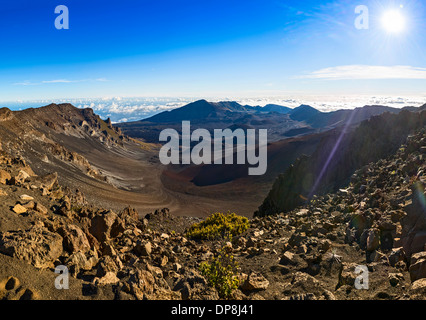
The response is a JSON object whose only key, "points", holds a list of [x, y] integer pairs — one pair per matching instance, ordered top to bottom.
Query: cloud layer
{"points": [[366, 72]]}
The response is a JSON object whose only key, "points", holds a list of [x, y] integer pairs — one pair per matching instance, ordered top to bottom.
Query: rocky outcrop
{"points": [[5, 114], [331, 166], [106, 225], [74, 239], [37, 246]]}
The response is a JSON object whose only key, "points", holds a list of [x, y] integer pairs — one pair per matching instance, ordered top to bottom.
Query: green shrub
{"points": [[218, 225], [221, 273]]}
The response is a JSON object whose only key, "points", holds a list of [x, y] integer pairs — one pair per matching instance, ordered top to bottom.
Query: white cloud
{"points": [[366, 72], [60, 81], [24, 83], [29, 83]]}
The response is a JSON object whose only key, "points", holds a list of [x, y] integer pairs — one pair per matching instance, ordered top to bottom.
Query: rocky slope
{"points": [[91, 155], [337, 156], [376, 221]]}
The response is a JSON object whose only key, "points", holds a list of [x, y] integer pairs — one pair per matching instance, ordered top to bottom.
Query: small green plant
{"points": [[218, 225], [221, 273]]}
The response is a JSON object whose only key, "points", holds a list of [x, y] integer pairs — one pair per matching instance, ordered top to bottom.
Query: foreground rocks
{"points": [[314, 252]]}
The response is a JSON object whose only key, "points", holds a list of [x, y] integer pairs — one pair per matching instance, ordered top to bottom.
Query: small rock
{"points": [[4, 176], [26, 197], [29, 205], [40, 208], [18, 209], [302, 213], [258, 233], [373, 239], [143, 248], [302, 249], [396, 255], [287, 258], [164, 261], [106, 265], [176, 267], [108, 278], [395, 278], [254, 282]]}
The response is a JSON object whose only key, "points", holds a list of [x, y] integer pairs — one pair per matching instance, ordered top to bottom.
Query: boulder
{"points": [[23, 176], [45, 182], [129, 212], [102, 226], [74, 239], [373, 239], [37, 246], [143, 248], [396, 255], [288, 258], [78, 262], [106, 264], [418, 266], [108, 278], [143, 280], [304, 281], [418, 289]]}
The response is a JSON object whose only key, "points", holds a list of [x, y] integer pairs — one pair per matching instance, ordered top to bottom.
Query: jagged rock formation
{"points": [[337, 157]]}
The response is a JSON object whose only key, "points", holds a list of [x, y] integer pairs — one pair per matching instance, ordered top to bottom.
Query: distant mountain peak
{"points": [[199, 110], [303, 113]]}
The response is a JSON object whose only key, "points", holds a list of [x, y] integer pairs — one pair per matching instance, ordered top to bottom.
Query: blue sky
{"points": [[136, 48]]}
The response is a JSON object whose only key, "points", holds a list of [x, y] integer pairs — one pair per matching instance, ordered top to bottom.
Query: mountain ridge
{"points": [[278, 119]]}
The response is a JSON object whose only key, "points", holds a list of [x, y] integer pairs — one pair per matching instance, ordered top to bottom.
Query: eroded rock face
{"points": [[129, 212], [105, 226], [74, 239], [37, 246]]}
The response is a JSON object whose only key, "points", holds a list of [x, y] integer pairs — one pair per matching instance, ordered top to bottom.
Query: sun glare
{"points": [[393, 21]]}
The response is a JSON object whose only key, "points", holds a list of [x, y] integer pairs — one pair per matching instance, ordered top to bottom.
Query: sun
{"points": [[393, 21]]}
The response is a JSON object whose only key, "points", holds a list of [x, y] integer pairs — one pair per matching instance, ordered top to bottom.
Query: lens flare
{"points": [[419, 192]]}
